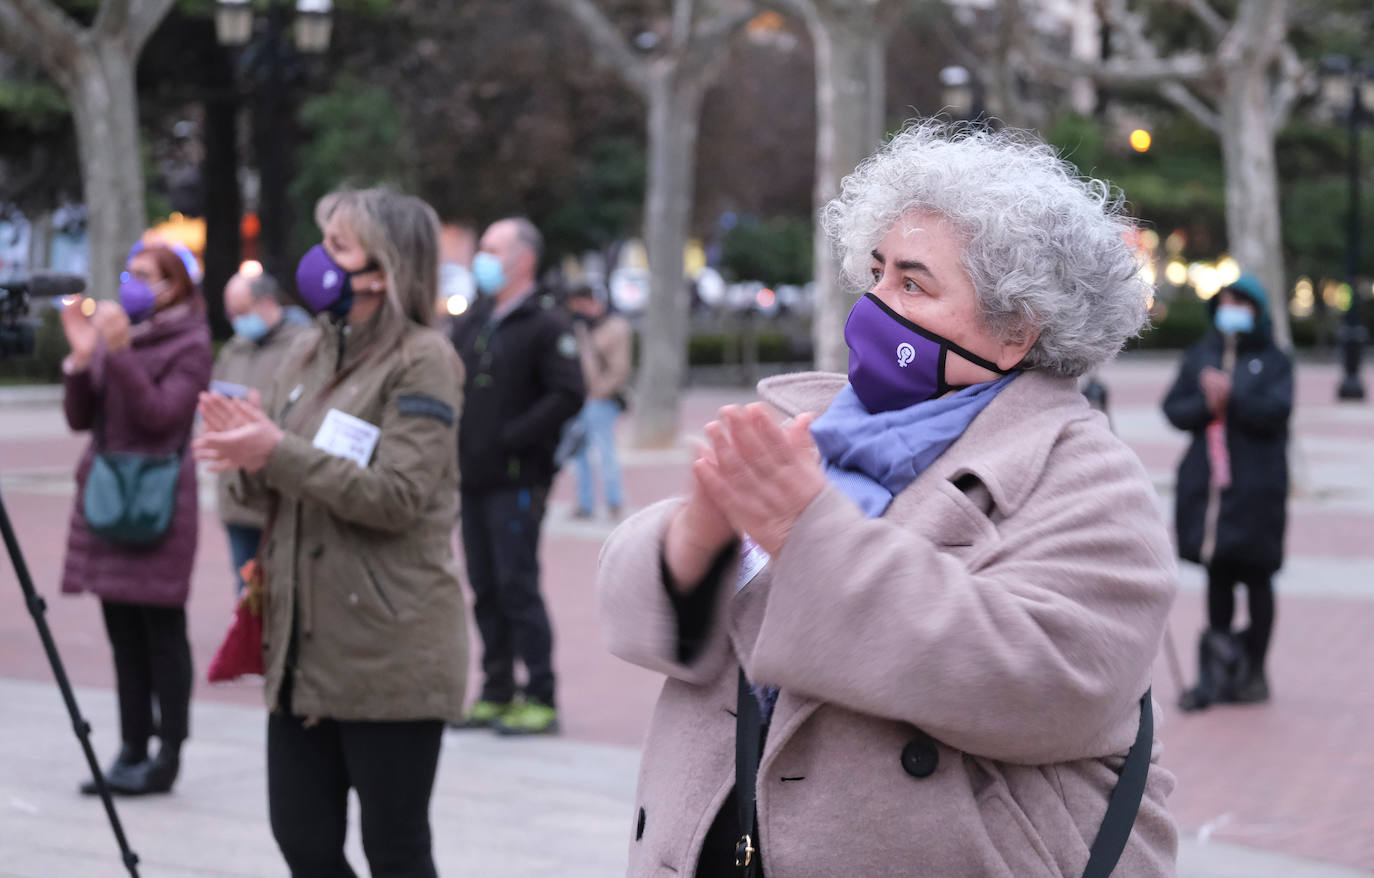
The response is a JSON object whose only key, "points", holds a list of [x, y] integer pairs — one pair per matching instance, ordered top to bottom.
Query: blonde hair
{"points": [[400, 232]]}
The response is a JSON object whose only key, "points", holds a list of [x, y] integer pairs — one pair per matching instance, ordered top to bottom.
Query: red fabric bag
{"points": [[241, 652]]}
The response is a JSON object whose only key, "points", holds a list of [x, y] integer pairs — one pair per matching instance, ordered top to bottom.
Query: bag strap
{"points": [[748, 742], [1125, 800]]}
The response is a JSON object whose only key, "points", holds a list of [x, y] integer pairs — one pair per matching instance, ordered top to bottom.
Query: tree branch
{"points": [[1203, 11], [683, 13], [145, 16], [112, 18], [720, 26], [41, 32], [1255, 39], [607, 42], [1128, 71], [1293, 77], [1181, 96]]}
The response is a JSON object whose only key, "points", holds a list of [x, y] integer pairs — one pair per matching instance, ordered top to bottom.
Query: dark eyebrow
{"points": [[906, 264]]}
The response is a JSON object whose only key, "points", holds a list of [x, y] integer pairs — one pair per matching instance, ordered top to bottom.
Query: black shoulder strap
{"points": [[748, 742], [1124, 803], [1106, 850]]}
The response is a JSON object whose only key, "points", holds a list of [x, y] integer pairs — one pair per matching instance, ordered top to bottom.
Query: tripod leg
{"points": [[37, 609]]}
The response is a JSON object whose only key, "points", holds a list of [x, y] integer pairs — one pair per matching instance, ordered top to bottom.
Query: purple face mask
{"points": [[323, 283], [136, 298], [893, 363]]}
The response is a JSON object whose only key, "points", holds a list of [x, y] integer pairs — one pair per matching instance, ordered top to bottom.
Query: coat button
{"points": [[353, 598], [919, 756]]}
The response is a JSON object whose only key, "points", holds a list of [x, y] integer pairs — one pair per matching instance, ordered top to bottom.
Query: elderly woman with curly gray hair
{"points": [[908, 615]]}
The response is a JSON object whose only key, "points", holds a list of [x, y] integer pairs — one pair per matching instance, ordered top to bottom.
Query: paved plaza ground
{"points": [[1277, 790]]}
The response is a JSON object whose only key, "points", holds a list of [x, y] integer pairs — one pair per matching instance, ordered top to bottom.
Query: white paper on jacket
{"points": [[346, 436], [752, 560]]}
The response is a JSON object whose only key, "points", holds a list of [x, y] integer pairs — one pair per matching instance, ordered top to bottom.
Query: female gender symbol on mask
{"points": [[905, 354]]}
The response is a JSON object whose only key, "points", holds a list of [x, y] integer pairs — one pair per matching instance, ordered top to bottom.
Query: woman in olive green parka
{"points": [[365, 643]]}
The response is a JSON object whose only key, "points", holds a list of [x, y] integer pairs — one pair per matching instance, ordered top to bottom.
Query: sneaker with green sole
{"points": [[484, 715], [530, 718]]}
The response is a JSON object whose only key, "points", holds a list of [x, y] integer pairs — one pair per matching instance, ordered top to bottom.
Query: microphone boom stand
{"points": [[37, 608]]}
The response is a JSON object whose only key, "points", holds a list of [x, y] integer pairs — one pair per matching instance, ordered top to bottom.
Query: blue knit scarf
{"points": [[874, 457]]}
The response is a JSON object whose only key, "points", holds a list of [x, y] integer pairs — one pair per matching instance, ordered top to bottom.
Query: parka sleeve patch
{"points": [[421, 406]]}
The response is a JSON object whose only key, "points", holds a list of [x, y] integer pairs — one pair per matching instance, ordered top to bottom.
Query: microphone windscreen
{"points": [[55, 283]]}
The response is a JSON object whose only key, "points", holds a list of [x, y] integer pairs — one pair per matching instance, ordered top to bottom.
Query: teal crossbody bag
{"points": [[130, 498]]}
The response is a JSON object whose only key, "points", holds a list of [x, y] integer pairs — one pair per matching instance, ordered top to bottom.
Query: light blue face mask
{"points": [[488, 273], [1233, 319], [250, 326]]}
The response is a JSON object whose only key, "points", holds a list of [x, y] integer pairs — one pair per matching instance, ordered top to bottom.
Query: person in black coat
{"points": [[523, 382], [1234, 393]]}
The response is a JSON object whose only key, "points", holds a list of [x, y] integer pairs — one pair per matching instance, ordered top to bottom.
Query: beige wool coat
{"points": [[1004, 612]]}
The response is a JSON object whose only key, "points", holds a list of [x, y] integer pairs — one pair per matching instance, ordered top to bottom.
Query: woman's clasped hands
{"points": [[238, 434], [752, 477]]}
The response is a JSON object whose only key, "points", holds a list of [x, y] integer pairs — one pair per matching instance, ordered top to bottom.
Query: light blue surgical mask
{"points": [[488, 273], [1234, 319], [250, 326]]}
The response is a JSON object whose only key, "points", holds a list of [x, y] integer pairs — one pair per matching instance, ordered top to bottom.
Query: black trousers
{"points": [[501, 543], [1222, 579], [152, 661], [309, 774]]}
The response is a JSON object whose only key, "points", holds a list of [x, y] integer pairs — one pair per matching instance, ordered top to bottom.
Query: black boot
{"points": [[1254, 687], [123, 772], [157, 774]]}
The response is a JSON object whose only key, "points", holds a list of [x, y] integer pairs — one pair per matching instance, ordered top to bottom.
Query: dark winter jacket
{"points": [[524, 380], [147, 393], [1250, 526]]}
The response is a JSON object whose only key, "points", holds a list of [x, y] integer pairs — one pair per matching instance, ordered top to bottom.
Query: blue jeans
{"points": [[600, 416], [243, 547]]}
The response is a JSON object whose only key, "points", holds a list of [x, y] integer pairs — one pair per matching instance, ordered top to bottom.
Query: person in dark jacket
{"points": [[132, 378], [524, 380], [1234, 393]]}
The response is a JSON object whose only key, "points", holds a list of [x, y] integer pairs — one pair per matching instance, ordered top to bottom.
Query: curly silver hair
{"points": [[1045, 248]]}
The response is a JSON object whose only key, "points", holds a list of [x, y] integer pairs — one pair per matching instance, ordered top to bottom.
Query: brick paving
{"points": [[1291, 777]]}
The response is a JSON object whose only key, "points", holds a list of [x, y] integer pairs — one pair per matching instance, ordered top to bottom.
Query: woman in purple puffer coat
{"points": [[134, 374]]}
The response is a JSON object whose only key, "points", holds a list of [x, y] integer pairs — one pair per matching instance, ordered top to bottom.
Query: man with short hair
{"points": [[248, 362], [523, 381]]}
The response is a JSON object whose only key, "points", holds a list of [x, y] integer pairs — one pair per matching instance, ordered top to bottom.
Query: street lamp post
{"points": [[268, 57], [1353, 334]]}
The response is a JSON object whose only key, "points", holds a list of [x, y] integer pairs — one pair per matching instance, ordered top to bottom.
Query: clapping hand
{"points": [[112, 324], [81, 334], [222, 413], [239, 435], [761, 476]]}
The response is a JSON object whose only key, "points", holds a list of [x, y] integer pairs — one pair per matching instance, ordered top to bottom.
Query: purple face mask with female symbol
{"points": [[324, 284], [893, 363]]}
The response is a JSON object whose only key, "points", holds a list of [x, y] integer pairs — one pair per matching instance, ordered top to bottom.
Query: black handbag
{"points": [[129, 498], [1106, 849]]}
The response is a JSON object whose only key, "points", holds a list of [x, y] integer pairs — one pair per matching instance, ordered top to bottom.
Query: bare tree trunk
{"points": [[849, 51], [95, 66], [105, 108], [674, 109], [1252, 193]]}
